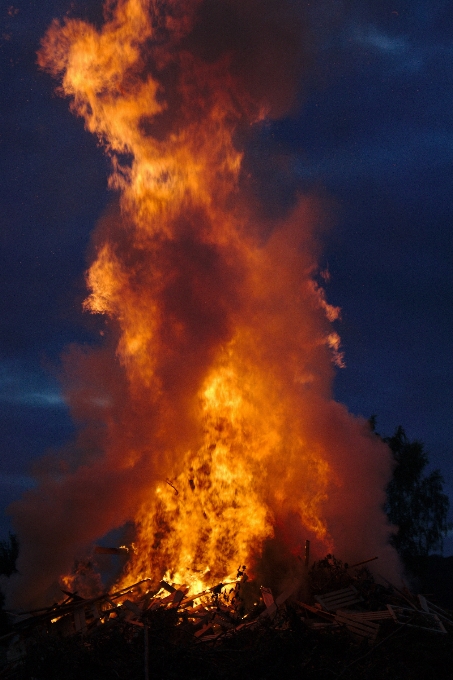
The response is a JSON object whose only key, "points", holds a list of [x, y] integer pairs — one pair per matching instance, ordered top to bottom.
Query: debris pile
{"points": [[362, 613]]}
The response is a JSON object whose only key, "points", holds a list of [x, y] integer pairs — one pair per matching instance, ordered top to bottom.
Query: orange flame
{"points": [[224, 427]]}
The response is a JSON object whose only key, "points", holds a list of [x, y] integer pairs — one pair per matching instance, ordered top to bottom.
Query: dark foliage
{"points": [[416, 503], [9, 551], [327, 574], [4, 619]]}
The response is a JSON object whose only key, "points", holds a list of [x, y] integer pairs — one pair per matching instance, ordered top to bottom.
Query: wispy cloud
{"points": [[373, 37], [396, 49], [20, 385], [42, 399]]}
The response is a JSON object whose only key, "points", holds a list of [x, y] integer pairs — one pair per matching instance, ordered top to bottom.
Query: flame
{"points": [[103, 73], [218, 425]]}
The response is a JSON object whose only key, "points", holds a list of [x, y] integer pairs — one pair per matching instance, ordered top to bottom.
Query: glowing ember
{"points": [[219, 432]]}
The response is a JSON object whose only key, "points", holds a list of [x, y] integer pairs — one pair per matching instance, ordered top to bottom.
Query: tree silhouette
{"points": [[416, 503], [9, 551]]}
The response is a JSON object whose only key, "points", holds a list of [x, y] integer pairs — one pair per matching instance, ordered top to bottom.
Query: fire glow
{"points": [[206, 417]]}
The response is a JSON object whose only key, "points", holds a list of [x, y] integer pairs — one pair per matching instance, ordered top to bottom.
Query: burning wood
{"points": [[99, 550], [214, 616]]}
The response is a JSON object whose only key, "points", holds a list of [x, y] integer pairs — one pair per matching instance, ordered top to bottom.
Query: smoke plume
{"points": [[206, 418]]}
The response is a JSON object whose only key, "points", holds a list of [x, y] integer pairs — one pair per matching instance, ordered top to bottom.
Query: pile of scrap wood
{"points": [[347, 607], [366, 611], [208, 615]]}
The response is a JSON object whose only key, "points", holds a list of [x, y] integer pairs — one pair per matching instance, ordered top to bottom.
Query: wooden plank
{"points": [[100, 550], [359, 564], [166, 586], [290, 590], [341, 591], [400, 592], [267, 595], [178, 597], [192, 598], [268, 599], [339, 599], [148, 601], [158, 602], [338, 603], [423, 603], [113, 604], [128, 604], [271, 604], [200, 608], [434, 609], [269, 611], [319, 612], [198, 615], [350, 616], [369, 616], [416, 619], [219, 620], [80, 624], [64, 626], [241, 626], [357, 626], [365, 626], [203, 630], [362, 631], [371, 636], [210, 638]]}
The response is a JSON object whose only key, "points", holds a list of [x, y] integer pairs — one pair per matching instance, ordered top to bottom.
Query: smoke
{"points": [[267, 44], [219, 352]]}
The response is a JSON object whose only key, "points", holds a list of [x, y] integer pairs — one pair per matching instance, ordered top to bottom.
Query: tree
{"points": [[416, 503], [9, 551]]}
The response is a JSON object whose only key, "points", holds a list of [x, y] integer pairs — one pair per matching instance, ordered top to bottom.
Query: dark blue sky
{"points": [[374, 138]]}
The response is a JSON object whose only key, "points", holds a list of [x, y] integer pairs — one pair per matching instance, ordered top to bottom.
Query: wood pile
{"points": [[367, 611]]}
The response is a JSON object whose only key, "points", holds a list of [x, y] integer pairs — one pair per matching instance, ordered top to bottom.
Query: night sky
{"points": [[373, 138]]}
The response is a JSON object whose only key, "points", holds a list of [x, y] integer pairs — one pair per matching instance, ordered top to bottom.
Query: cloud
{"points": [[381, 41], [21, 385], [38, 399]]}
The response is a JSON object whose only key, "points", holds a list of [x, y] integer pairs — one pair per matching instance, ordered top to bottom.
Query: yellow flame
{"points": [[250, 444]]}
